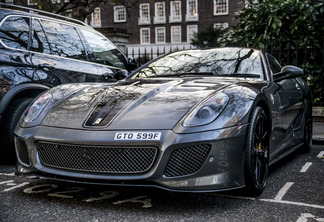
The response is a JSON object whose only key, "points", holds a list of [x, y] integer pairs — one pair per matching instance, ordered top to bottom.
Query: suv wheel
{"points": [[11, 119]]}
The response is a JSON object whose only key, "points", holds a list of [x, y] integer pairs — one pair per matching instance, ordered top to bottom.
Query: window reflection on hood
{"points": [[224, 61]]}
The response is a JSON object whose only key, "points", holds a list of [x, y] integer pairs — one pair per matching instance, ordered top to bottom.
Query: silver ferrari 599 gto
{"points": [[193, 120]]}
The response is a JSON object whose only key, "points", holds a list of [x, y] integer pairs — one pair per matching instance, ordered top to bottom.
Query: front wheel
{"points": [[308, 130], [257, 153]]}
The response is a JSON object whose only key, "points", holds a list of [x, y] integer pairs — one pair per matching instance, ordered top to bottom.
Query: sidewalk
{"points": [[318, 124]]}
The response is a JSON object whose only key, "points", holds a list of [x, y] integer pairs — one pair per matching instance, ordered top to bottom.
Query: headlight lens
{"points": [[37, 107], [208, 111]]}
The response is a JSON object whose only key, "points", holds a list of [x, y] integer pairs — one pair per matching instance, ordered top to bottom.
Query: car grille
{"points": [[22, 151], [97, 158], [187, 160]]}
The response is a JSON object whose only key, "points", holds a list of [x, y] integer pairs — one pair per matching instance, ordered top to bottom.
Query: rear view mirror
{"points": [[288, 72]]}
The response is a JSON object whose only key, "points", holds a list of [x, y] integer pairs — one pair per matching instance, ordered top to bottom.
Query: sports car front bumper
{"points": [[204, 161]]}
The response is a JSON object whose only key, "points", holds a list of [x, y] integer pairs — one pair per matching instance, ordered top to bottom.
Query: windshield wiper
{"points": [[184, 74], [243, 75]]}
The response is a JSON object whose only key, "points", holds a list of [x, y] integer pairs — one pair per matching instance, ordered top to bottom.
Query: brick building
{"points": [[160, 26]]}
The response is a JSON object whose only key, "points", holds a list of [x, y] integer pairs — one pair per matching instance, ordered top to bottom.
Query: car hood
{"points": [[133, 104]]}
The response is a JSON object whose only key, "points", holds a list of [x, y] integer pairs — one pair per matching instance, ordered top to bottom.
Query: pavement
{"points": [[318, 124]]}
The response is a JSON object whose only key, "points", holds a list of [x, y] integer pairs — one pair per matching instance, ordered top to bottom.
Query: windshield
{"points": [[236, 62]]}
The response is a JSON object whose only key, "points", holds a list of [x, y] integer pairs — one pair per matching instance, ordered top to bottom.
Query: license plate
{"points": [[138, 136]]}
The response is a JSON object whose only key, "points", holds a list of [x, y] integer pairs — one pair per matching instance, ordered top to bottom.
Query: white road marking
{"points": [[321, 155], [305, 167], [8, 174], [15, 187], [283, 191], [146, 202], [293, 203], [304, 218]]}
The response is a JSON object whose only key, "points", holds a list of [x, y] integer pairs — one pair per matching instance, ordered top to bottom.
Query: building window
{"points": [[9, 1], [56, 1], [31, 2], [220, 7], [192, 10], [175, 11], [159, 13], [119, 14], [144, 14], [96, 18], [221, 25], [191, 31], [175, 34], [145, 35], [160, 35]]}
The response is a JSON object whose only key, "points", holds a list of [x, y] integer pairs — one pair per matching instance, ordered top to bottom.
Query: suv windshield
{"points": [[236, 62]]}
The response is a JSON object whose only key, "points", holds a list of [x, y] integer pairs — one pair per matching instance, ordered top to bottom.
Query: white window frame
{"points": [[31, 2], [222, 3], [96, 12], [117, 13], [191, 15], [173, 16], [159, 19], [142, 20], [223, 25], [175, 29], [157, 34], [190, 35], [141, 36]]}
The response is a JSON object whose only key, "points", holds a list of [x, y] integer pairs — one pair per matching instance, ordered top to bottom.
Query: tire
{"points": [[11, 119], [308, 130], [257, 153]]}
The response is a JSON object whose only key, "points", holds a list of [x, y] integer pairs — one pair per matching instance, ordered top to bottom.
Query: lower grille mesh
{"points": [[97, 159], [187, 160]]}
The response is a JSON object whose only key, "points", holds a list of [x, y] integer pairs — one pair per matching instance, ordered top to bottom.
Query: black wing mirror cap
{"points": [[131, 64], [288, 72]]}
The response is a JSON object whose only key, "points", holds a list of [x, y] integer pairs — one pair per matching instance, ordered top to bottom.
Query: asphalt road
{"points": [[295, 192]]}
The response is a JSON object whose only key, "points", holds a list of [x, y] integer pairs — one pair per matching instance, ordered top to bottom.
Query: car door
{"points": [[58, 52], [15, 67], [289, 110]]}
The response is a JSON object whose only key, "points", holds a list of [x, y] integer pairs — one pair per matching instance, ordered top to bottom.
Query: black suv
{"points": [[39, 50]]}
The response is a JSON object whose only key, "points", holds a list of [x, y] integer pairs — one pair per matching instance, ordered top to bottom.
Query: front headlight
{"points": [[37, 107], [207, 111]]}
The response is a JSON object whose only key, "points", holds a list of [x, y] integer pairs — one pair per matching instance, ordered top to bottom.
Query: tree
{"points": [[278, 22], [292, 30], [210, 37]]}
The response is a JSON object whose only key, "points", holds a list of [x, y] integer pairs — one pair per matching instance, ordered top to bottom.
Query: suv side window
{"points": [[14, 32], [64, 40], [39, 41], [103, 51], [274, 64]]}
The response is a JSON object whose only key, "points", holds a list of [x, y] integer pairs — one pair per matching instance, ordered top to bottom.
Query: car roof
{"points": [[7, 9]]}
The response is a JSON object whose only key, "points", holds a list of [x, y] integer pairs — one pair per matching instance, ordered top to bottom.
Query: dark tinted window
{"points": [[14, 32], [64, 40], [39, 41], [103, 50], [219, 62], [274, 64]]}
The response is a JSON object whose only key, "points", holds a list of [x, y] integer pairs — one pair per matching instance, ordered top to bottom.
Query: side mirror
{"points": [[131, 63], [288, 72]]}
